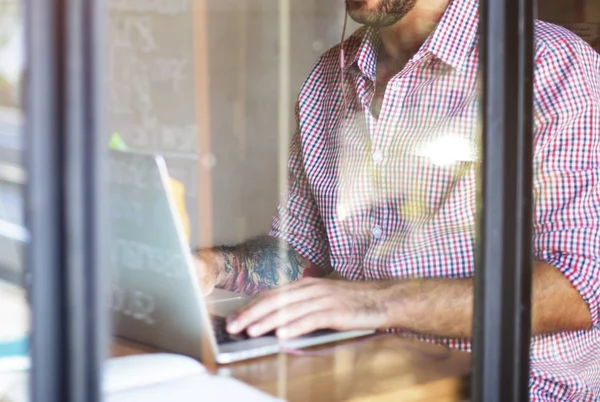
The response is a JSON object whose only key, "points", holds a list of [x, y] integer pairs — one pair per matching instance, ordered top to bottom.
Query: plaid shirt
{"points": [[394, 197]]}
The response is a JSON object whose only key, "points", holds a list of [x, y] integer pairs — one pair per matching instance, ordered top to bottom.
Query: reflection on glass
{"points": [[11, 53], [195, 96], [375, 174], [376, 189], [14, 311]]}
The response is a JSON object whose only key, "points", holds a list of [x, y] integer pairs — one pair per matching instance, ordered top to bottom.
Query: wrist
{"points": [[209, 265], [396, 304]]}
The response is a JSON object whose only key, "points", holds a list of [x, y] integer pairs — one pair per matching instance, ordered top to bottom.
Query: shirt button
{"points": [[378, 157], [377, 232]]}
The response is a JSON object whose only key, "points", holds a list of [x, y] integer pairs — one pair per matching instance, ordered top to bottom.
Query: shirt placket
{"points": [[382, 132], [360, 242]]}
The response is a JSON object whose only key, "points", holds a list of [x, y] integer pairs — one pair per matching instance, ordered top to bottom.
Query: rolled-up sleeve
{"points": [[567, 166], [298, 220]]}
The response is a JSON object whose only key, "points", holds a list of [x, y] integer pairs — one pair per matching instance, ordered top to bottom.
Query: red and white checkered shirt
{"points": [[394, 197]]}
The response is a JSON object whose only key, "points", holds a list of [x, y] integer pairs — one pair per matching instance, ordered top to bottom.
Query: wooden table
{"points": [[380, 368]]}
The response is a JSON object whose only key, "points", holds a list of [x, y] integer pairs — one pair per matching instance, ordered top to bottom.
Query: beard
{"points": [[381, 15]]}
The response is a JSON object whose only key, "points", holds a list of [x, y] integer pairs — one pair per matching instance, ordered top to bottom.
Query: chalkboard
{"points": [[151, 94]]}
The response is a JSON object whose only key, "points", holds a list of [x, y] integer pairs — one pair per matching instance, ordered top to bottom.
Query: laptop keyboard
{"points": [[221, 334]]}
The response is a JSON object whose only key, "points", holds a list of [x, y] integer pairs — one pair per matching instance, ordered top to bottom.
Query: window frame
{"points": [[64, 197], [504, 262]]}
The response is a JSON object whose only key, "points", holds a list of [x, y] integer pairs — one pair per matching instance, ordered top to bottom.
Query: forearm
{"points": [[256, 265], [444, 307]]}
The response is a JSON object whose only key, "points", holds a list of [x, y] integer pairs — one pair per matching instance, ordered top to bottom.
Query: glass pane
{"points": [[566, 175], [12, 176], [378, 184], [14, 311]]}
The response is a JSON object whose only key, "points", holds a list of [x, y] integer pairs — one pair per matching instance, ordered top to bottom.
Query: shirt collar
{"points": [[456, 35], [452, 41], [361, 51]]}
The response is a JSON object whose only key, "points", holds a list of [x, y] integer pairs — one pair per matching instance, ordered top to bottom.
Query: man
{"points": [[382, 191]]}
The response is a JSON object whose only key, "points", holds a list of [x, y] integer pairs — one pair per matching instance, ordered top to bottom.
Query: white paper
{"points": [[125, 373], [166, 377], [154, 378], [205, 388]]}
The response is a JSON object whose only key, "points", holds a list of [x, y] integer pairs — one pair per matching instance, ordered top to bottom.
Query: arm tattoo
{"points": [[260, 264]]}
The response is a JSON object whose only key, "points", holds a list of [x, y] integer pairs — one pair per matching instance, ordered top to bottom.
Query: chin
{"points": [[378, 13], [371, 19]]}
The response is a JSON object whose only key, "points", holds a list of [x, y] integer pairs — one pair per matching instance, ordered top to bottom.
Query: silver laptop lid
{"points": [[155, 298]]}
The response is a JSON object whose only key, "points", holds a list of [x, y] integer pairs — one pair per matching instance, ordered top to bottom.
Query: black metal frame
{"points": [[64, 138], [503, 275]]}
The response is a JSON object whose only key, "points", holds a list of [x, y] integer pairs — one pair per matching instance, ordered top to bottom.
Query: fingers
{"points": [[276, 300], [301, 308], [283, 317], [324, 319]]}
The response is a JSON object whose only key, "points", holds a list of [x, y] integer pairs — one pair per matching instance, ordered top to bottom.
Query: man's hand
{"points": [[311, 304]]}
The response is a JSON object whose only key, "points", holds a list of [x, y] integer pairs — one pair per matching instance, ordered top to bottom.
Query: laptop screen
{"points": [[154, 297]]}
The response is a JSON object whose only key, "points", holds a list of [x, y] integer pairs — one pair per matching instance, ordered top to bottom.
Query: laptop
{"points": [[154, 296]]}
